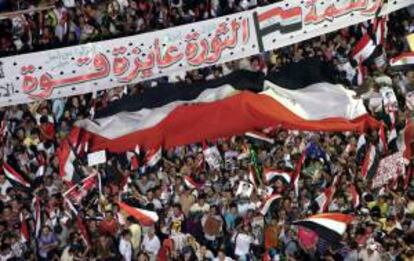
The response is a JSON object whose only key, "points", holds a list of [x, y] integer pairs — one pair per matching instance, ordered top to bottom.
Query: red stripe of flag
{"points": [[280, 13], [145, 217]]}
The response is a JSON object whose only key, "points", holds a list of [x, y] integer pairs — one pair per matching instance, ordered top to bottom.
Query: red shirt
{"points": [[47, 131], [108, 227]]}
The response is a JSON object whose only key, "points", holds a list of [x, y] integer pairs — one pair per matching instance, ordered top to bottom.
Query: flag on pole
{"points": [[370, 46], [402, 62], [259, 136], [383, 146], [361, 148], [153, 156], [133, 158], [371, 162], [256, 168], [298, 170], [271, 174], [14, 176], [252, 177], [190, 183], [81, 189], [354, 195], [325, 199], [268, 202], [37, 215], [143, 216], [329, 226], [24, 230], [83, 231]]}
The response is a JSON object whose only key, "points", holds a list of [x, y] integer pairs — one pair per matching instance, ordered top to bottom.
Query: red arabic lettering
{"points": [[357, 5], [373, 9], [332, 11], [312, 16], [245, 30], [232, 41], [217, 45], [191, 47], [119, 50], [197, 51], [170, 57], [199, 59], [83, 61], [121, 65], [140, 66], [27, 69], [29, 83], [48, 84]]}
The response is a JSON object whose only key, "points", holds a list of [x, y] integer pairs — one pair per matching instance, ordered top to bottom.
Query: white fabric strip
{"points": [[318, 101]]}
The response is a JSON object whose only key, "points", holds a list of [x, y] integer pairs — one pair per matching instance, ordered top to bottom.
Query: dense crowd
{"points": [[71, 22], [210, 220]]}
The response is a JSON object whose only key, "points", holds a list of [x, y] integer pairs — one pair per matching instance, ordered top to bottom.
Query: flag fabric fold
{"points": [[369, 49], [402, 62], [225, 110], [259, 136], [371, 162], [271, 174], [14, 176], [190, 183], [78, 191], [325, 198], [268, 202], [143, 216], [329, 226]]}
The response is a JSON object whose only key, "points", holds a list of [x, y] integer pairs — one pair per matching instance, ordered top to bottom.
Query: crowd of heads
{"points": [[71, 22], [212, 221]]}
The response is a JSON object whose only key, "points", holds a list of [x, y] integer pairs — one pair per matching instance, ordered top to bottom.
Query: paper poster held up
{"points": [[96, 158]]}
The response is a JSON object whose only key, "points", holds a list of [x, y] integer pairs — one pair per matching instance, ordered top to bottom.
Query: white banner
{"points": [[294, 21], [108, 64], [96, 158]]}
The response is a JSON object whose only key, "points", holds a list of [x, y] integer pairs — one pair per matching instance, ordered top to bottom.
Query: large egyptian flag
{"points": [[289, 99], [329, 226]]}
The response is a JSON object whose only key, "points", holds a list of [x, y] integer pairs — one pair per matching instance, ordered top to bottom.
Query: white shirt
{"points": [[4, 187], [197, 208], [242, 242], [151, 246], [125, 248], [363, 255], [6, 256]]}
